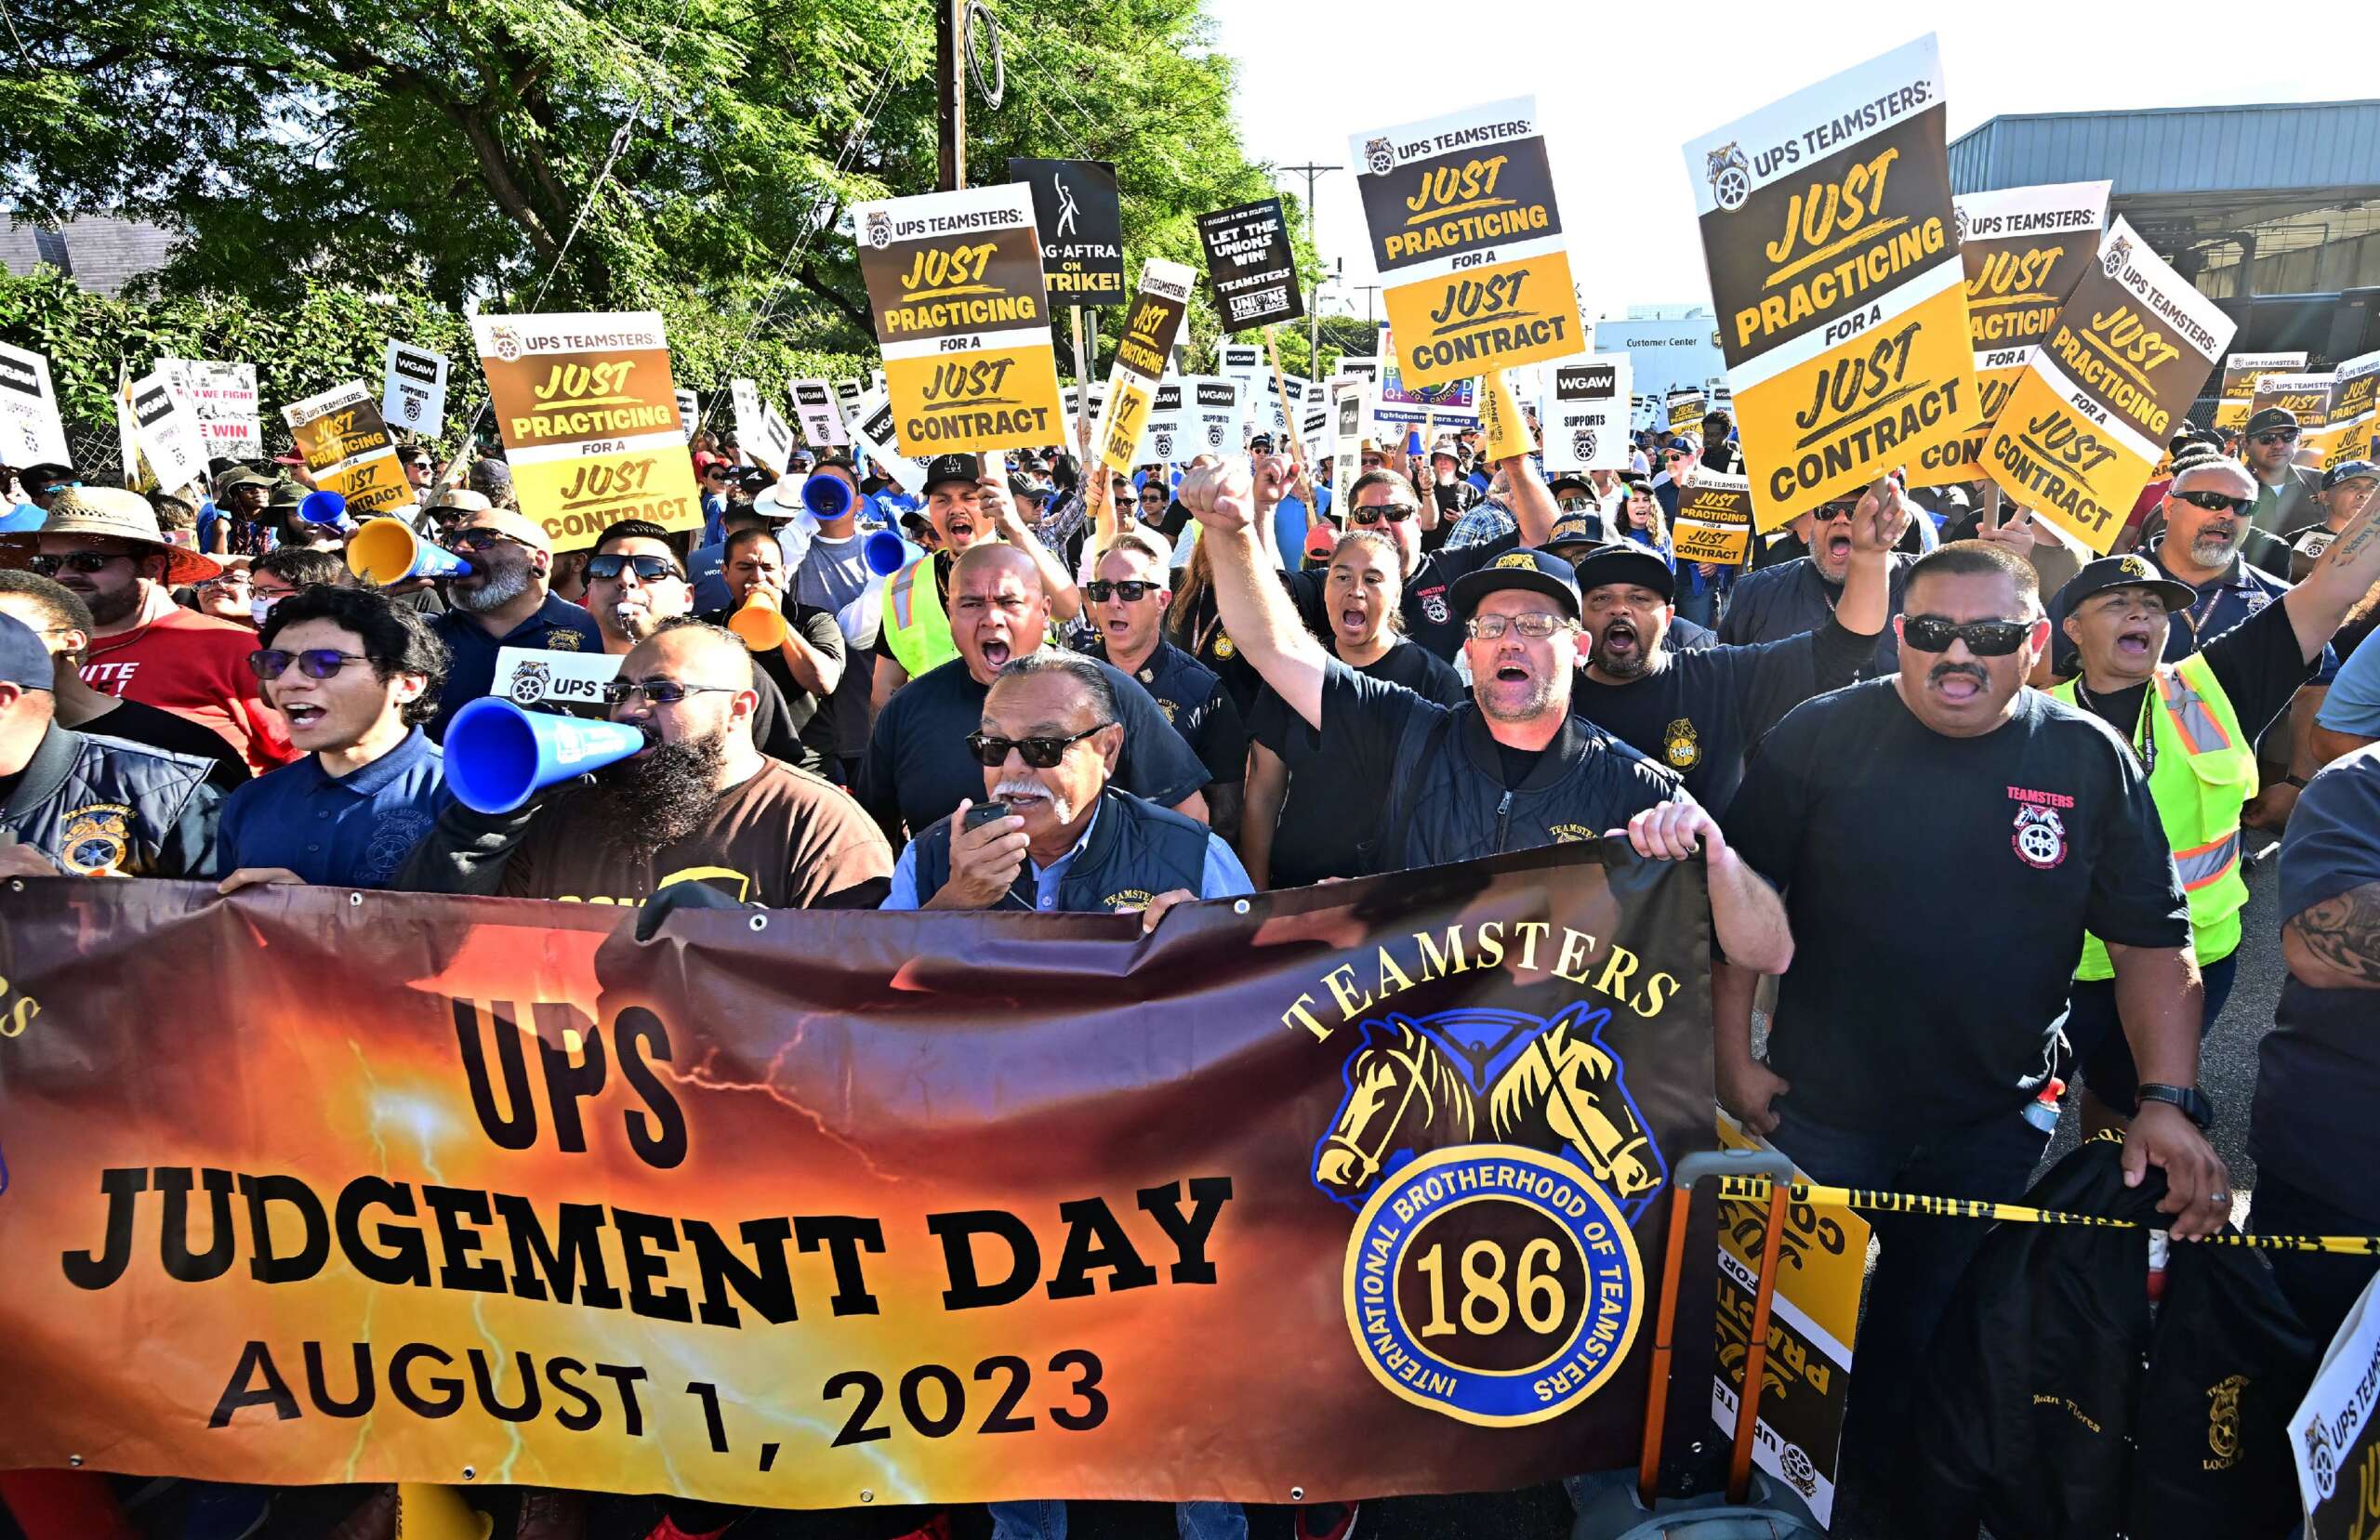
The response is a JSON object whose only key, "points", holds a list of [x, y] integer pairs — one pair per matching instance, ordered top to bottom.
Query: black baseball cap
{"points": [[2271, 418], [951, 467], [2348, 470], [1570, 479], [755, 481], [1021, 487], [1576, 529], [1626, 562], [2132, 571], [1540, 572], [24, 661]]}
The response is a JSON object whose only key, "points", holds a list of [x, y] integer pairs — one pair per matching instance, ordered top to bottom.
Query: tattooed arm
{"points": [[2335, 943]]}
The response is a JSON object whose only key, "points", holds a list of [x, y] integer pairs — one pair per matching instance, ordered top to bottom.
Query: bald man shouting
{"points": [[918, 769]]}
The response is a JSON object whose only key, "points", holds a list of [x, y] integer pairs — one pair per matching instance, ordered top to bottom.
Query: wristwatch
{"points": [[2193, 1102]]}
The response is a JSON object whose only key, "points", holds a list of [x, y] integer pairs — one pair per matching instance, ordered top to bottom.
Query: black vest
{"points": [[1447, 801], [101, 805], [1136, 850]]}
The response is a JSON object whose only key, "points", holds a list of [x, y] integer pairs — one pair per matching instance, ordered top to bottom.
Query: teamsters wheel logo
{"points": [[1378, 158], [1730, 176], [878, 230], [2119, 251], [508, 343], [1214, 435], [1583, 443], [1161, 444], [1496, 1160]]}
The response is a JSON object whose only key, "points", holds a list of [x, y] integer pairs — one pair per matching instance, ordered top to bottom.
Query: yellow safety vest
{"points": [[916, 631], [2204, 774]]}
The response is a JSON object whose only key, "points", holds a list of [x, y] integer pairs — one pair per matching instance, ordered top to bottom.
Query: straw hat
{"points": [[118, 515]]}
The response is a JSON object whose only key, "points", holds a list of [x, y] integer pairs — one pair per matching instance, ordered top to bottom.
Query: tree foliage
{"points": [[443, 150]]}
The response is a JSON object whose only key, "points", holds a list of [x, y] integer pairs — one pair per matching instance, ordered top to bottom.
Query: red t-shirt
{"points": [[196, 666]]}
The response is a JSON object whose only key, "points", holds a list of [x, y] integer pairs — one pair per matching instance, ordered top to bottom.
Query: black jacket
{"points": [[104, 806], [1135, 851], [2037, 1416]]}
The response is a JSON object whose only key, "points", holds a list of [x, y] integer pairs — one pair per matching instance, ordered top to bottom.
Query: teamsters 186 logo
{"points": [[1496, 1161]]}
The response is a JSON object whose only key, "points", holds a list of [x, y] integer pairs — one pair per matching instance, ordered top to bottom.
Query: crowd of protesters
{"points": [[1084, 691]]}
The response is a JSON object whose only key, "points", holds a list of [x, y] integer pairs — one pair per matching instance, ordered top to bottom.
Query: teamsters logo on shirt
{"points": [[1497, 1160]]}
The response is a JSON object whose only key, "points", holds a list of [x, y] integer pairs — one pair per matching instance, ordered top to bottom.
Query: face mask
{"points": [[260, 608]]}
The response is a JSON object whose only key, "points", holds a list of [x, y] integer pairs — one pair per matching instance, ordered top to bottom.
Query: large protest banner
{"points": [[1080, 218], [1827, 226], [1468, 241], [2023, 249], [1250, 265], [954, 280], [1149, 327], [2242, 373], [1585, 413], [589, 417], [2087, 421], [31, 431], [347, 448], [785, 1208]]}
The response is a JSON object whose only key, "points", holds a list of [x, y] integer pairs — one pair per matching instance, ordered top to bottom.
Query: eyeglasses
{"points": [[2278, 436], [1676, 454], [1155, 497], [2216, 502], [1833, 511], [1394, 513], [479, 540], [74, 561], [648, 568], [229, 580], [1132, 590], [1536, 625], [1984, 638], [315, 663], [659, 691], [1040, 753]]}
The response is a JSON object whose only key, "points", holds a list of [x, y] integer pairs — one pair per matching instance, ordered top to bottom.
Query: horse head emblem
{"points": [[1404, 1095]]}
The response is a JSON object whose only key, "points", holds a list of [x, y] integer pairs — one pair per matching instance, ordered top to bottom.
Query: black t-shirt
{"points": [[1772, 603], [1428, 607], [2258, 663], [1195, 701], [1701, 714], [136, 723], [815, 735], [918, 769], [1315, 835], [1938, 889]]}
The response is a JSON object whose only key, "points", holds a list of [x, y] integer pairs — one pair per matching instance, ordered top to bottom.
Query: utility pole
{"points": [[950, 91], [1369, 290], [1314, 314]]}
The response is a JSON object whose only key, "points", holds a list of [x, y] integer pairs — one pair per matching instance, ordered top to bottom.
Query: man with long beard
{"points": [[505, 601], [699, 804]]}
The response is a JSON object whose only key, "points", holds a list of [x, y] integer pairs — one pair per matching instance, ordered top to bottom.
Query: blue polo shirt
{"points": [[2224, 603], [557, 626], [350, 831]]}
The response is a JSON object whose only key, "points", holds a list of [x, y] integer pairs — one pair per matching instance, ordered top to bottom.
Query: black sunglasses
{"points": [[2284, 436], [2215, 502], [1394, 513], [479, 540], [77, 561], [648, 568], [1132, 590], [1984, 638], [315, 663], [659, 691], [1040, 753]]}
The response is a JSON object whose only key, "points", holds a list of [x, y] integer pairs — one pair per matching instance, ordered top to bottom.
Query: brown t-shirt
{"points": [[783, 839]]}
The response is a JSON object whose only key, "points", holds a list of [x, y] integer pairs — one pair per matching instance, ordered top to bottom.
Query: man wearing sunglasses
{"points": [[2285, 490], [103, 545], [1793, 596], [1128, 600], [505, 601], [807, 668], [355, 674], [1510, 768], [918, 769], [700, 804], [77, 806], [1945, 837], [1069, 842]]}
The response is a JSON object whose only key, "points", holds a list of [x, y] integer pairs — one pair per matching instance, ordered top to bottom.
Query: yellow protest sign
{"points": [[1827, 226], [1468, 241], [2023, 249], [955, 283], [1150, 324], [2242, 373], [2088, 420], [590, 421], [1503, 430], [2347, 434], [348, 450], [1714, 519]]}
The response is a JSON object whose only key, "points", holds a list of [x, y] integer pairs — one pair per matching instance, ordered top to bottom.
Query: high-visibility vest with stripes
{"points": [[916, 631], [2205, 772]]}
